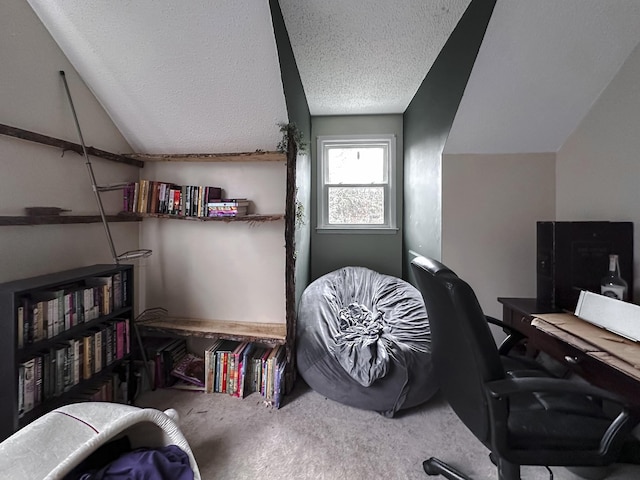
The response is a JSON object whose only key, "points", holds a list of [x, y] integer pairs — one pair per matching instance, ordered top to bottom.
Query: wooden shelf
{"points": [[65, 145], [258, 156], [243, 218], [62, 219], [272, 333]]}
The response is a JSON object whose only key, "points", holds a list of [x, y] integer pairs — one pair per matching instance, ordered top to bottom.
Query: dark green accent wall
{"points": [[298, 111], [427, 122]]}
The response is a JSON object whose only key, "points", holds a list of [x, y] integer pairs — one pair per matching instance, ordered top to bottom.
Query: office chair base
{"points": [[433, 466]]}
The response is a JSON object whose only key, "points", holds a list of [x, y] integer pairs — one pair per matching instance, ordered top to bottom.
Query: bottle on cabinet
{"points": [[612, 284]]}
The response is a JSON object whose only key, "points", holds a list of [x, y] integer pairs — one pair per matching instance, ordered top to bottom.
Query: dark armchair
{"points": [[523, 416]]}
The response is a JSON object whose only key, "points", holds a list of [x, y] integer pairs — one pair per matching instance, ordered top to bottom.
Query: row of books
{"points": [[149, 196], [45, 314], [163, 354], [241, 368], [57, 369], [115, 388]]}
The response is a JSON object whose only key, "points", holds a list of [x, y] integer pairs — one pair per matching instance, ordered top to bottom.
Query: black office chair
{"points": [[523, 416]]}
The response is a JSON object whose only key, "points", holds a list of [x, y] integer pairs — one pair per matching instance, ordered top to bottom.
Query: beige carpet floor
{"points": [[312, 437]]}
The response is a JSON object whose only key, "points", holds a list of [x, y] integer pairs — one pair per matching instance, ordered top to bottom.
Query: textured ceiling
{"points": [[366, 56], [542, 65], [203, 75], [177, 77]]}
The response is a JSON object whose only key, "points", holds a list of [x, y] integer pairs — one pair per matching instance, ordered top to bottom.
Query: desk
{"points": [[594, 362]]}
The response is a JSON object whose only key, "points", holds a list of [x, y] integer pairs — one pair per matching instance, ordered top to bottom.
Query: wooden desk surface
{"points": [[614, 350], [600, 359]]}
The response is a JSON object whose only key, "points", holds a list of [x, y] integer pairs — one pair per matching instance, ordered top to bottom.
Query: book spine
{"points": [[68, 313], [38, 320], [20, 326], [119, 340], [109, 344], [97, 351], [77, 360], [87, 360], [225, 364], [60, 369], [46, 376], [20, 390], [37, 394]]}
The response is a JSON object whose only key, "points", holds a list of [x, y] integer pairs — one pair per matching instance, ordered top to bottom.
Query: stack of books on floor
{"points": [[163, 354], [228, 366], [241, 368]]}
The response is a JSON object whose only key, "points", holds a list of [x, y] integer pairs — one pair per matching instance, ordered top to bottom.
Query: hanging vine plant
{"points": [[291, 130]]}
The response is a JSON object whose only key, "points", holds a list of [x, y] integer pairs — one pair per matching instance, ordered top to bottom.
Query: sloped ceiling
{"points": [[542, 65], [203, 75], [191, 76]]}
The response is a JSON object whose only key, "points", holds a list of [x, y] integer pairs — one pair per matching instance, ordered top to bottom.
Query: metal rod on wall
{"points": [[127, 255]]}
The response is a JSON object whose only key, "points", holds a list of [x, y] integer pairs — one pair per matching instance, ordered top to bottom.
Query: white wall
{"points": [[32, 97], [598, 168], [490, 205], [218, 270]]}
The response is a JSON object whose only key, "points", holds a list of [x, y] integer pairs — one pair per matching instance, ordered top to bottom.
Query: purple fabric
{"points": [[165, 463]]}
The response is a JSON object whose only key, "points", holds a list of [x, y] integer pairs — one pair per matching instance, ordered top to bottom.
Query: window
{"points": [[356, 183]]}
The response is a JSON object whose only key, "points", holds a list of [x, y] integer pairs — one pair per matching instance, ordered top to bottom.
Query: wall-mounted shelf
{"points": [[66, 145], [259, 156], [244, 218], [61, 219], [271, 333]]}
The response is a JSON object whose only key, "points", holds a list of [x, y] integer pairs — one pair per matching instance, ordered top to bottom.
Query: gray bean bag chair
{"points": [[363, 339]]}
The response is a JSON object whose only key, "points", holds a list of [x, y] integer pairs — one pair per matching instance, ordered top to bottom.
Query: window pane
{"points": [[355, 165], [356, 205]]}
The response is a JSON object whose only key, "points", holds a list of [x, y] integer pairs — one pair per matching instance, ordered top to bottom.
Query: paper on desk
{"points": [[620, 317], [585, 336]]}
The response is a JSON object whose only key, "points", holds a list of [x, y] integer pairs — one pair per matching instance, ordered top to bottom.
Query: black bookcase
{"points": [[112, 316]]}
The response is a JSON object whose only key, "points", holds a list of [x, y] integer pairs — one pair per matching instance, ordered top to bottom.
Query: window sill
{"points": [[357, 230]]}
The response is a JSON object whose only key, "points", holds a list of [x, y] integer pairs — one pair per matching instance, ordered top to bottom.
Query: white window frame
{"points": [[325, 142]]}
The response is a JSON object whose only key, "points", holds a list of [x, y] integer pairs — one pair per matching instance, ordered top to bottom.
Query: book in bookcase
{"points": [[51, 352]]}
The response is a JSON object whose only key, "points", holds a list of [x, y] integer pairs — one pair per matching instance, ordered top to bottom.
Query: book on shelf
{"points": [[213, 194], [151, 196], [228, 211], [117, 291], [100, 293], [20, 325], [97, 350], [75, 353], [165, 353], [223, 354], [87, 356], [209, 366], [190, 368], [240, 368], [244, 368], [234, 369], [38, 372], [29, 382]]}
